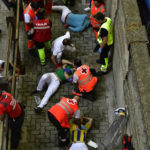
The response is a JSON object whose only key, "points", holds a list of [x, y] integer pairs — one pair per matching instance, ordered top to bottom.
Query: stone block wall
{"points": [[131, 69]]}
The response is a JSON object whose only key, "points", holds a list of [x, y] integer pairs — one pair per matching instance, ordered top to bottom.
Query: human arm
{"points": [[104, 36], [104, 42], [53, 58], [64, 61], [1, 69], [17, 72], [75, 79], [2, 110], [2, 117], [77, 118], [88, 121]]}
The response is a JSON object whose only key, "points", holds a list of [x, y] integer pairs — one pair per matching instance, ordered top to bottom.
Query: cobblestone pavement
{"points": [[38, 133]]}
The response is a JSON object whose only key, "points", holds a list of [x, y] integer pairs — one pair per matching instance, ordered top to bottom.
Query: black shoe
{"points": [[33, 53], [98, 61], [100, 73], [34, 92], [89, 97], [38, 110]]}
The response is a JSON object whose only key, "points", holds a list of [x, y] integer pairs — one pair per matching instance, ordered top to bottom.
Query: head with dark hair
{"points": [[97, 3], [34, 5], [40, 13], [99, 16], [66, 41], [77, 62], [2, 65]]}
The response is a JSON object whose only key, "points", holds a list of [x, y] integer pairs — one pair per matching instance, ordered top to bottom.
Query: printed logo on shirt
{"points": [[84, 70], [71, 101]]}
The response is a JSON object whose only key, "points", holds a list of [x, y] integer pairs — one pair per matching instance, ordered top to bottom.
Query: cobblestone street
{"points": [[37, 132]]}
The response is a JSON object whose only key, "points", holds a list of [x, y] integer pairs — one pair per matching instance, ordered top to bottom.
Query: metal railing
{"points": [[4, 141]]}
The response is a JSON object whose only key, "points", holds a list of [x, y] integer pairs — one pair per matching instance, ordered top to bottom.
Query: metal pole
{"points": [[16, 47]]}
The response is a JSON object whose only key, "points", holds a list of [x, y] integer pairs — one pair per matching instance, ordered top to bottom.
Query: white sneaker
{"points": [[87, 9]]}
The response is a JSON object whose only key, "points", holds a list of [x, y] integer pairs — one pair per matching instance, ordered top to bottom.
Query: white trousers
{"points": [[65, 11], [53, 83], [78, 146]]}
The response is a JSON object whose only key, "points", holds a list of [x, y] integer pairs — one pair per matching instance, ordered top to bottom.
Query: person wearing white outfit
{"points": [[65, 11], [74, 22], [58, 46], [53, 80], [53, 83]]}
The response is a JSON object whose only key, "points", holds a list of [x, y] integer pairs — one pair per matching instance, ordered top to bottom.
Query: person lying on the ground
{"points": [[75, 22], [58, 46], [18, 71], [53, 80], [78, 134]]}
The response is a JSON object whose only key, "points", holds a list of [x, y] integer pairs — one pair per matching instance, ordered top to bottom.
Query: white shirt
{"points": [[27, 18], [57, 45]]}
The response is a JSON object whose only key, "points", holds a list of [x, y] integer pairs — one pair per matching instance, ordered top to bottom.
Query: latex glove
{"points": [[87, 9], [36, 18], [99, 50], [67, 70], [69, 80]]}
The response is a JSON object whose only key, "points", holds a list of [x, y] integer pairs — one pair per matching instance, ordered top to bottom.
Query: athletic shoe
{"points": [[38, 110]]}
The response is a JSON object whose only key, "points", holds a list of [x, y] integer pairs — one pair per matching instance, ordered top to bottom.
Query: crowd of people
{"points": [[81, 76]]}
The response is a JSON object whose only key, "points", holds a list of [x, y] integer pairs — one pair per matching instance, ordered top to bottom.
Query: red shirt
{"points": [[9, 105]]}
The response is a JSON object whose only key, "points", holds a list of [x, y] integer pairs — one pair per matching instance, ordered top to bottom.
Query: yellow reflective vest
{"points": [[108, 26]]}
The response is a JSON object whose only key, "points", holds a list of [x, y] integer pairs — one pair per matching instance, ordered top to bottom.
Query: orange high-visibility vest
{"points": [[94, 11], [32, 14], [86, 81], [64, 110]]}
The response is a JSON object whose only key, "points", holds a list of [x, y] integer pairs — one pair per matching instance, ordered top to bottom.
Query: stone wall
{"points": [[131, 69]]}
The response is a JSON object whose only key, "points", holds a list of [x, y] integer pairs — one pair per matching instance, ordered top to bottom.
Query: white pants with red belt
{"points": [[65, 11], [53, 83]]}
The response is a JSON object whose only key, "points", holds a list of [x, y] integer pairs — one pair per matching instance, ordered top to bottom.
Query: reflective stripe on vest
{"points": [[100, 8], [28, 10], [94, 11], [108, 26], [42, 27], [89, 77], [4, 104], [67, 106], [67, 112]]}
